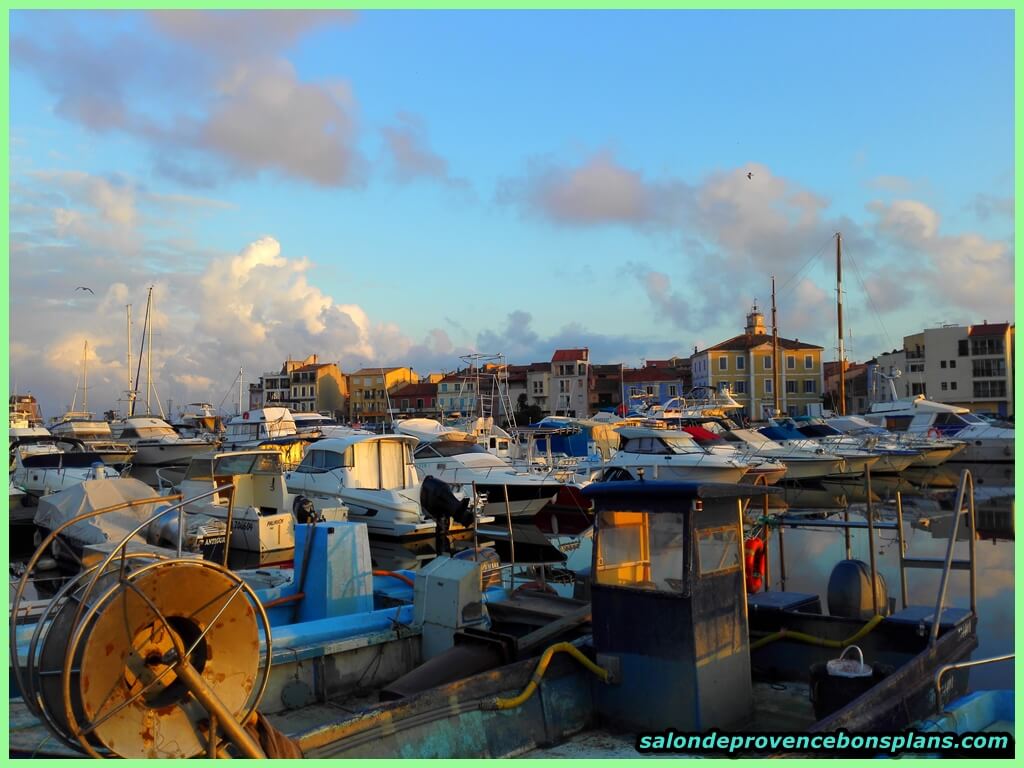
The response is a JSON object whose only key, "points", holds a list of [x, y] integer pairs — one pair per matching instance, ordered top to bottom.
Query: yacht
{"points": [[199, 420], [312, 424], [257, 426], [96, 435], [155, 441], [984, 442], [932, 450], [668, 454], [893, 457], [855, 460], [462, 462], [40, 465], [761, 469], [373, 475], [261, 511]]}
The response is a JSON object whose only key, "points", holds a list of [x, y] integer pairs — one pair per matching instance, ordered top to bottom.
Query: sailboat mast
{"points": [[839, 318], [148, 331], [775, 352], [85, 377], [131, 388], [239, 390]]}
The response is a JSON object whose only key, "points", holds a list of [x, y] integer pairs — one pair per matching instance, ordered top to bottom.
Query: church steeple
{"points": [[755, 322]]}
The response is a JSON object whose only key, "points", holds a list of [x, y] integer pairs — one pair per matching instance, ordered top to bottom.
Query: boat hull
{"points": [[170, 453]]}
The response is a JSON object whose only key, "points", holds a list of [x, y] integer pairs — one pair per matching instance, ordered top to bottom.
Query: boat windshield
{"points": [[970, 418], [445, 448], [264, 462]]}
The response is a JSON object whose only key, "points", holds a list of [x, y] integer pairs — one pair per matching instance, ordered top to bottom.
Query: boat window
{"points": [[970, 418], [897, 423], [128, 432], [152, 432], [673, 445], [456, 447], [426, 452], [334, 460], [308, 465], [199, 469], [639, 550], [718, 550]]}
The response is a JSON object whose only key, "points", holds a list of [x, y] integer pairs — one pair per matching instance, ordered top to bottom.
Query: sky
{"points": [[387, 188]]}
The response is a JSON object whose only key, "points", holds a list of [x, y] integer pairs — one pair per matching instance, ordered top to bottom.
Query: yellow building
{"points": [[746, 364], [369, 392]]}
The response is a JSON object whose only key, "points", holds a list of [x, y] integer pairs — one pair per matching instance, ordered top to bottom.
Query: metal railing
{"points": [[947, 563], [941, 672]]}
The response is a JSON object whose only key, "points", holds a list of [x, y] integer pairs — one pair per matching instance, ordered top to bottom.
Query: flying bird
{"points": [[750, 175], [83, 288]]}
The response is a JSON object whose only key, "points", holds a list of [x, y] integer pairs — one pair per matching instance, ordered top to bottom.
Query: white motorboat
{"points": [[199, 420], [257, 426], [96, 435], [155, 441], [985, 442], [932, 450], [668, 454], [892, 457], [855, 460], [462, 462], [39, 467], [761, 469], [373, 475], [259, 504]]}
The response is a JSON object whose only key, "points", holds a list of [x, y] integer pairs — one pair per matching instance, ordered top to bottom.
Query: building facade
{"points": [[746, 363], [965, 365], [570, 374], [303, 386], [370, 392], [417, 400]]}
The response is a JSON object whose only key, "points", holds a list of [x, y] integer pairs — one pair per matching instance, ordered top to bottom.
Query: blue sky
{"points": [[403, 187]]}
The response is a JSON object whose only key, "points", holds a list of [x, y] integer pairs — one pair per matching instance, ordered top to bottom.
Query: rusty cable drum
{"points": [[122, 695]]}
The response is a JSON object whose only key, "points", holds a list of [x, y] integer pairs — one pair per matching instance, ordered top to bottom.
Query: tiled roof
{"points": [[988, 329], [749, 341], [570, 355], [311, 367], [374, 371], [415, 390]]}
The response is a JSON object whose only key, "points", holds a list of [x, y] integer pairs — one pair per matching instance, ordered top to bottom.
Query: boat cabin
{"points": [[253, 427]]}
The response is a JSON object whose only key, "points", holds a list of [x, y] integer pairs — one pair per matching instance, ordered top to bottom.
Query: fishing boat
{"points": [[254, 498]]}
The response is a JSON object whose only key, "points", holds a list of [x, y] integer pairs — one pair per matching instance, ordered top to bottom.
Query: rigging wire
{"points": [[793, 278]]}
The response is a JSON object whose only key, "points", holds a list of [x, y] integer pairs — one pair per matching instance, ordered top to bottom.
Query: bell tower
{"points": [[755, 322]]}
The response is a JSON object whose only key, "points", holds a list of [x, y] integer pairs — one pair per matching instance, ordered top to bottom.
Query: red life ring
{"points": [[934, 432], [754, 562]]}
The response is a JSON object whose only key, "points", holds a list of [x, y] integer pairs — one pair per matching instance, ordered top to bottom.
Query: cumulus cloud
{"points": [[239, 107], [598, 191], [967, 270]]}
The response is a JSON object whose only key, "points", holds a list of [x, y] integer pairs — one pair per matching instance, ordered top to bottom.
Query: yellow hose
{"points": [[813, 640], [538, 673]]}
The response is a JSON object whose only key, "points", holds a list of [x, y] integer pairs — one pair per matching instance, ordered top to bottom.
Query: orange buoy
{"points": [[754, 562]]}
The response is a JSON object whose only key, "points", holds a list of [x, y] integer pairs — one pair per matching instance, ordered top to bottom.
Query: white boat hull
{"points": [[166, 454]]}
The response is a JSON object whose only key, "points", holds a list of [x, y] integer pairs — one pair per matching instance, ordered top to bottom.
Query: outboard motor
{"points": [[438, 501], [303, 510]]}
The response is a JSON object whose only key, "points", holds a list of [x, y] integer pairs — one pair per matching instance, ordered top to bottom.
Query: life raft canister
{"points": [[754, 554]]}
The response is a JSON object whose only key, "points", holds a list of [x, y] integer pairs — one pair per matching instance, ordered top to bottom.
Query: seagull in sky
{"points": [[750, 175], [84, 288]]}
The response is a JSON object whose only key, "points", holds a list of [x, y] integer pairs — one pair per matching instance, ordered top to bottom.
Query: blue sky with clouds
{"points": [[403, 187]]}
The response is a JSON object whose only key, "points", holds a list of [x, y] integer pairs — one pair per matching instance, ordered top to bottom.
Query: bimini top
{"points": [[659, 490]]}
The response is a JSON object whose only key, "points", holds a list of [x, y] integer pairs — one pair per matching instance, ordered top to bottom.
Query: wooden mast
{"points": [[839, 317], [775, 353]]}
